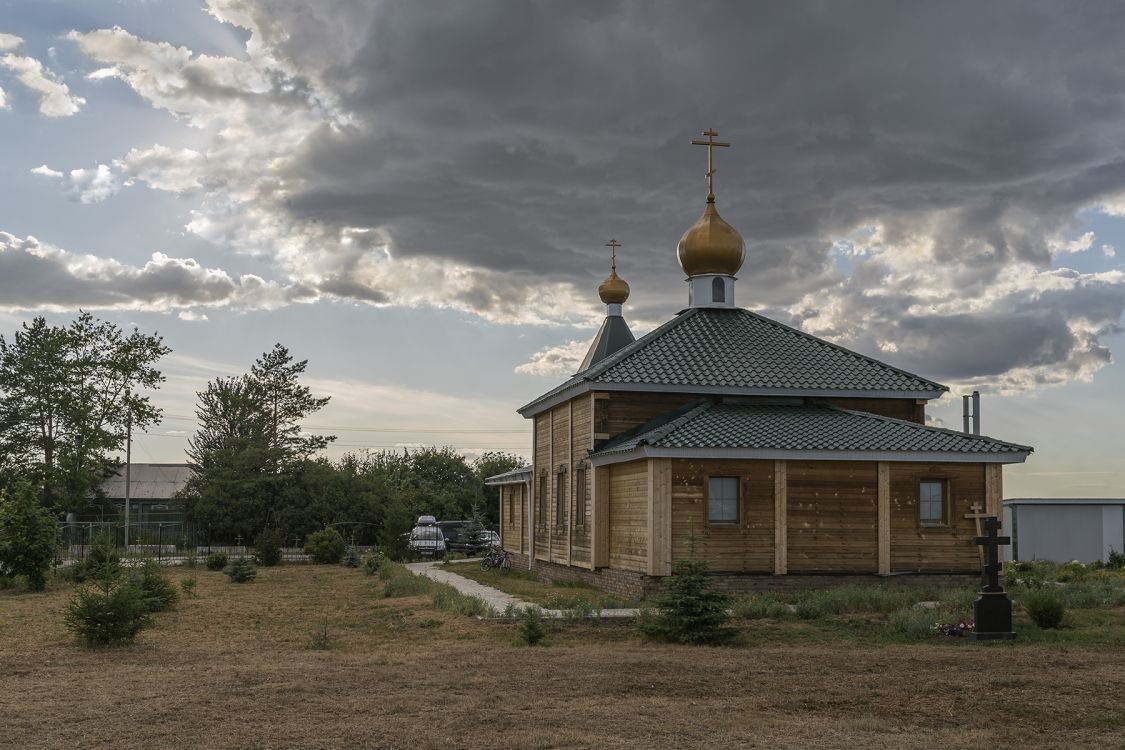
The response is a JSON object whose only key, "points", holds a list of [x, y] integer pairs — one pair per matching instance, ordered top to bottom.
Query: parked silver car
{"points": [[427, 541]]}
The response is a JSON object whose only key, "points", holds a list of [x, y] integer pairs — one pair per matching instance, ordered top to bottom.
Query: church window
{"points": [[718, 290], [560, 497], [722, 500], [511, 502], [932, 502], [580, 510], [541, 515]]}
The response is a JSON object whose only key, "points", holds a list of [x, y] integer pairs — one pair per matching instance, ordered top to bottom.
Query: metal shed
{"points": [[1064, 529]]}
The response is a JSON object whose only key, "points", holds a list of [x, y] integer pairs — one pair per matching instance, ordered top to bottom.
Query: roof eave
{"points": [[649, 451]]}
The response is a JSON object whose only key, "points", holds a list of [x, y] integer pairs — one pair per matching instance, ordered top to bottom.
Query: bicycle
{"points": [[497, 558]]}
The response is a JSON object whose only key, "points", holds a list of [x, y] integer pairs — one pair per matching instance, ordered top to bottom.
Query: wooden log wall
{"points": [[909, 409], [615, 412], [563, 437], [543, 478], [628, 516], [832, 516], [513, 517], [747, 547], [920, 548]]}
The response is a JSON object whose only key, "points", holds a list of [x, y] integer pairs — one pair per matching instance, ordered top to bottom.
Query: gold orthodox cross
{"points": [[710, 143], [613, 245]]}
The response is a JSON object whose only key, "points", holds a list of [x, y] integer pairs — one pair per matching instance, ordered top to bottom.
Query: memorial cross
{"points": [[992, 541]]}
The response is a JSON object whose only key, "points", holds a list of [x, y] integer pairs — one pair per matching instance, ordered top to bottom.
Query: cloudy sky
{"points": [[416, 196]]}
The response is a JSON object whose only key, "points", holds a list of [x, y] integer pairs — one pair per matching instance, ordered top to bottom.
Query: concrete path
{"points": [[498, 600]]}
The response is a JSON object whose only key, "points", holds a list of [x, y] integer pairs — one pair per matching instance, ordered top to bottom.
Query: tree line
{"points": [[69, 394]]}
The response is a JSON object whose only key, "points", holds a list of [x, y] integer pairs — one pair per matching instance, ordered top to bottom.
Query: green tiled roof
{"points": [[735, 351], [708, 424]]}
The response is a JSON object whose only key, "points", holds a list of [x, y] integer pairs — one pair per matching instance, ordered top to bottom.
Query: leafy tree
{"points": [[67, 395], [489, 464], [28, 534], [325, 546]]}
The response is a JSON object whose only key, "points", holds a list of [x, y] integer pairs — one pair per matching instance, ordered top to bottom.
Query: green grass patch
{"points": [[568, 595]]}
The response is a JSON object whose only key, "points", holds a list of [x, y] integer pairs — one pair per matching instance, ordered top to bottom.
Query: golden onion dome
{"points": [[710, 245], [614, 290]]}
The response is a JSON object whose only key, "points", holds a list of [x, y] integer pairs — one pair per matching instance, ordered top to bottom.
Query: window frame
{"points": [[562, 498], [581, 499], [543, 500], [737, 501], [946, 503]]}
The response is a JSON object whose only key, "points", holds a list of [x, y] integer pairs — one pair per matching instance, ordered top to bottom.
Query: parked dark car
{"points": [[457, 538]]}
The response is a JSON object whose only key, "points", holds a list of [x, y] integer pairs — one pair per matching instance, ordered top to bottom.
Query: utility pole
{"points": [[128, 471]]}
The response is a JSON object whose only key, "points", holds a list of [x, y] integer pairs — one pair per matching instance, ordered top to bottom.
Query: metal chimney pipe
{"points": [[976, 412], [965, 413]]}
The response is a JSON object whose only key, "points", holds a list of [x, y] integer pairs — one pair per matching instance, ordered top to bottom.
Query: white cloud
{"points": [[10, 42], [3, 99], [55, 99], [168, 169], [46, 171], [93, 185], [1079, 245], [1108, 251], [192, 315], [561, 360]]}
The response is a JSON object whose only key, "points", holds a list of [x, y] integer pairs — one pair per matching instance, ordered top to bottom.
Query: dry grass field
{"points": [[234, 669]]}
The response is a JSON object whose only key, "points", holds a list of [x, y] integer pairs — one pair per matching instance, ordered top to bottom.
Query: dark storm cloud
{"points": [[511, 140]]}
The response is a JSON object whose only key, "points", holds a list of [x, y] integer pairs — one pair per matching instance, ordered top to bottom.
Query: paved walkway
{"points": [[498, 600]]}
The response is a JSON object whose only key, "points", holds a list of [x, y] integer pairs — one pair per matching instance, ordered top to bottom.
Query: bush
{"points": [[28, 534], [325, 546], [267, 547], [1116, 560], [216, 561], [371, 562], [241, 570], [187, 585], [157, 592], [1045, 607], [689, 610], [109, 614], [531, 630]]}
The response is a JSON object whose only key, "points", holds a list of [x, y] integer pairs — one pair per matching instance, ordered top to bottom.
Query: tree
{"points": [[67, 396], [249, 452], [489, 464], [28, 534]]}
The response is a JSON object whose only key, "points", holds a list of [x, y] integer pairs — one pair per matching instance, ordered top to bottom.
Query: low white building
{"points": [[1064, 529]]}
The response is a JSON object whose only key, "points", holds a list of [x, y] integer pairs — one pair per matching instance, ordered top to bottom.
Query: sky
{"points": [[415, 197]]}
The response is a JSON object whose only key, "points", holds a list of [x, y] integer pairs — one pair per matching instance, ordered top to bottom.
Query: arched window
{"points": [[718, 290]]}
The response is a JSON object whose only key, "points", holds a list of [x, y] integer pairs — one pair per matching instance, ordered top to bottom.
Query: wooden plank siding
{"points": [[909, 409], [617, 412], [582, 439], [560, 464], [542, 477], [628, 516], [832, 516], [513, 517], [746, 547], [920, 548]]}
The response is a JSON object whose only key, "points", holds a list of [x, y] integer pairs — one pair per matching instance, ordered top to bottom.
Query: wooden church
{"points": [[727, 436]]}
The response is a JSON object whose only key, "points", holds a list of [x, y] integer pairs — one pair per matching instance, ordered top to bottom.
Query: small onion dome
{"points": [[710, 246], [614, 290]]}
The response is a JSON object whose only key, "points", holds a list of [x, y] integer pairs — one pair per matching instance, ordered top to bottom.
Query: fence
{"points": [[163, 541]]}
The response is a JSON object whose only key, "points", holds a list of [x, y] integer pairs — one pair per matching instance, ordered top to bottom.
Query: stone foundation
{"points": [[629, 585]]}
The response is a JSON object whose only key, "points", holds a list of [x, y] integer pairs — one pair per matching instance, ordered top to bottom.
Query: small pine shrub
{"points": [[325, 546], [267, 547], [351, 557], [102, 560], [1116, 560], [216, 561], [241, 570], [187, 585], [155, 589], [1045, 607], [689, 610], [108, 614], [531, 630]]}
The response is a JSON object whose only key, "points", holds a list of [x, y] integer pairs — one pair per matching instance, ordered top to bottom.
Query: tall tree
{"points": [[66, 398], [249, 455]]}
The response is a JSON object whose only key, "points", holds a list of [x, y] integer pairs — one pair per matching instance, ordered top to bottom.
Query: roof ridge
{"points": [[846, 350], [925, 427]]}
